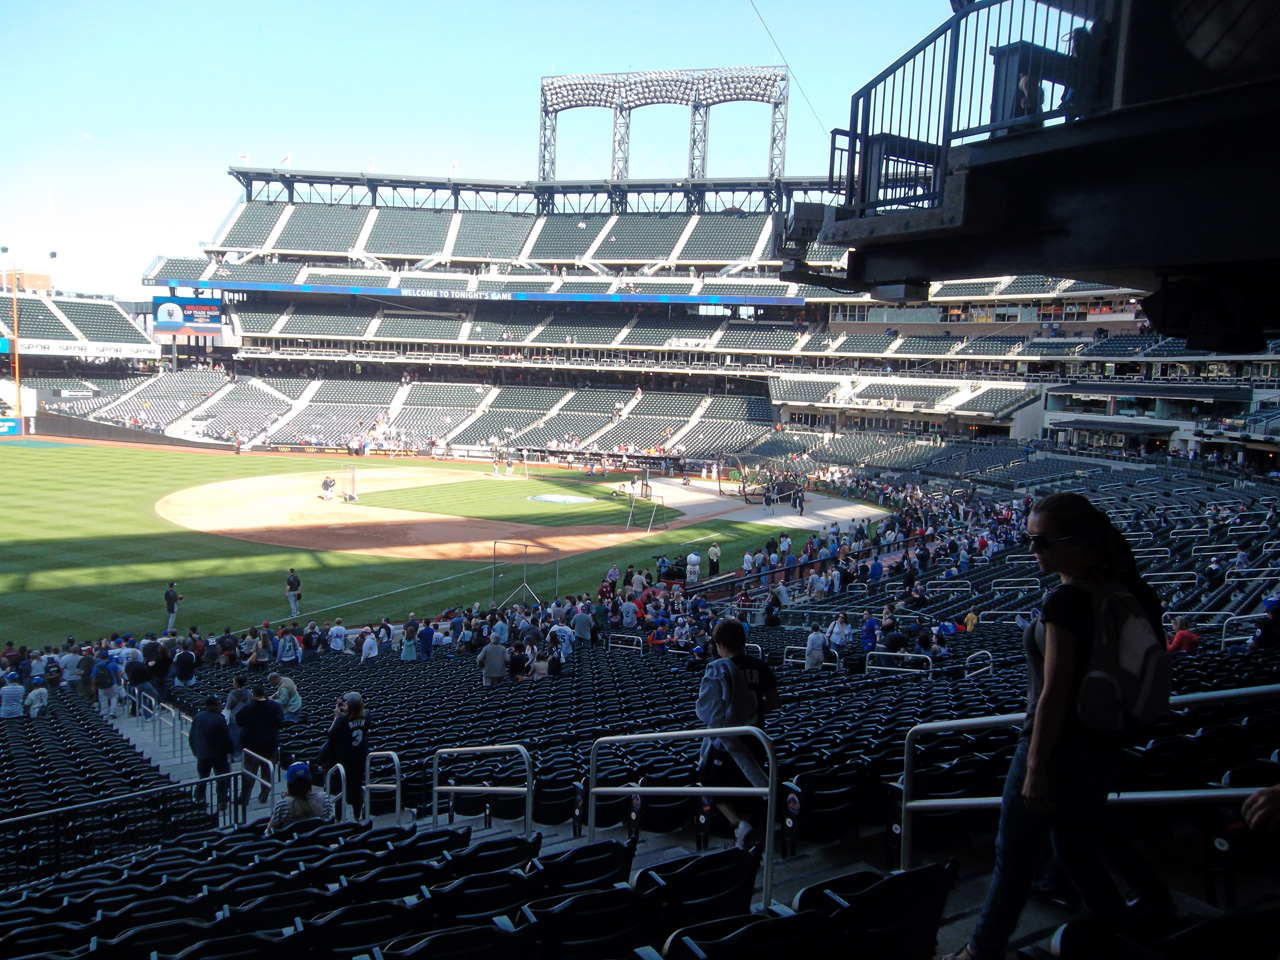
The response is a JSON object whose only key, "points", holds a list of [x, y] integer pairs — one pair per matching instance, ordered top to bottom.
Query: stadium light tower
{"points": [[699, 90]]}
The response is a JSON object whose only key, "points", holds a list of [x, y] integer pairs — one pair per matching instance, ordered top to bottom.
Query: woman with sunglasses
{"points": [[1062, 771]]}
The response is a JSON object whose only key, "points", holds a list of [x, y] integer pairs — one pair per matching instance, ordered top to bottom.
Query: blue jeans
{"points": [[1080, 777]]}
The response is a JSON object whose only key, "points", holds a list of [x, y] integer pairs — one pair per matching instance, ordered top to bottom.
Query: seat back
{"points": [[491, 855], [591, 867], [706, 887], [481, 896], [897, 918], [593, 925], [758, 939], [460, 943]]}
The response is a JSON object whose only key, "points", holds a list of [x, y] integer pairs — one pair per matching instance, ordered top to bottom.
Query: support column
{"points": [[699, 124], [547, 143], [621, 143]]}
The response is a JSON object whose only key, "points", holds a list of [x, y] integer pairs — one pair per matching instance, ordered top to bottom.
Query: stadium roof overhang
{"points": [[251, 177], [1170, 391]]}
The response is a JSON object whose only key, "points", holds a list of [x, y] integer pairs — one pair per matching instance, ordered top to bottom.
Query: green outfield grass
{"points": [[509, 499], [83, 552]]}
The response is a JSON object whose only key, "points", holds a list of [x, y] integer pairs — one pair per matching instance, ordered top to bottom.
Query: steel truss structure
{"points": [[699, 90], [692, 195]]}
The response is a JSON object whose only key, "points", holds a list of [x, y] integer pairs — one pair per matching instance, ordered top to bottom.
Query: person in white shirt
{"points": [[713, 558], [748, 563], [338, 637], [814, 648], [369, 649]]}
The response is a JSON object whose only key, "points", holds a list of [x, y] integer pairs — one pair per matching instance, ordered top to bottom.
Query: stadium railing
{"points": [[497, 748], [768, 792], [910, 806]]}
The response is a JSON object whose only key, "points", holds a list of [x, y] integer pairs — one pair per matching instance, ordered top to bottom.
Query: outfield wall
{"points": [[58, 425]]}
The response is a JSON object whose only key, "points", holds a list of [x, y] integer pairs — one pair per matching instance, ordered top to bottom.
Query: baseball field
{"points": [[91, 534]]}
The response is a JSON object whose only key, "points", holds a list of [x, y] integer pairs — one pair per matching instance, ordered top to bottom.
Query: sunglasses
{"points": [[1041, 541]]}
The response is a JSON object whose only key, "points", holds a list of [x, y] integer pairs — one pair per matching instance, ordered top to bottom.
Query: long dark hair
{"points": [[1112, 556]]}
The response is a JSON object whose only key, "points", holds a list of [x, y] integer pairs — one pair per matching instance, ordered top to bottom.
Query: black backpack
{"points": [[103, 678]]}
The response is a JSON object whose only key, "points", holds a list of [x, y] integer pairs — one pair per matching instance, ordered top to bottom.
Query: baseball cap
{"points": [[1271, 603], [697, 650], [36, 681], [353, 698], [297, 771]]}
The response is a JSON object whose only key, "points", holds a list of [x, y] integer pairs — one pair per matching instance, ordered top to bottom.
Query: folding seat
{"points": [[554, 800], [828, 801], [429, 844], [490, 855], [595, 866], [399, 880], [703, 887], [481, 896], [280, 911], [894, 919], [595, 925], [359, 927], [172, 936], [44, 937], [755, 937], [481, 942], [240, 946]]}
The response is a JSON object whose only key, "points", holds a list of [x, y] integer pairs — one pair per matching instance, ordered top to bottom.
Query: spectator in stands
{"points": [[971, 620], [840, 632], [1267, 636], [337, 637], [1184, 639], [368, 645], [815, 648], [493, 660], [84, 667], [184, 667], [139, 676], [104, 678], [736, 690], [286, 694], [11, 697], [237, 698], [37, 701], [259, 721], [210, 742], [348, 744], [1062, 772], [302, 800]]}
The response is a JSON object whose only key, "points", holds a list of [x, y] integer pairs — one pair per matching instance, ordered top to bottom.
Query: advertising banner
{"points": [[187, 317], [10, 427]]}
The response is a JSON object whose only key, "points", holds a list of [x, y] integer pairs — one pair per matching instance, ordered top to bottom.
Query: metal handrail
{"points": [[989, 616], [1243, 618], [638, 647], [977, 656], [803, 662], [880, 668], [269, 781], [370, 785], [342, 788], [526, 790], [770, 793], [910, 806]]}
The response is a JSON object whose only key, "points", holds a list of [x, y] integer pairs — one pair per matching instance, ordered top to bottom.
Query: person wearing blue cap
{"points": [[105, 678], [302, 800]]}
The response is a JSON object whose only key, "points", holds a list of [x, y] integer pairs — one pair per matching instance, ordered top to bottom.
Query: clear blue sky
{"points": [[122, 117]]}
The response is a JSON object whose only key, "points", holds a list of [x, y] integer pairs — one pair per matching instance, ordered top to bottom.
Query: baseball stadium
{"points": [[882, 562]]}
